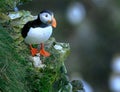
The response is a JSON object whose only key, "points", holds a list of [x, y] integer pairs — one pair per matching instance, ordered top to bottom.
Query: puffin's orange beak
{"points": [[54, 24]]}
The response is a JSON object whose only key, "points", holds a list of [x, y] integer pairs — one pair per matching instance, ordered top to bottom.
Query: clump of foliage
{"points": [[45, 80]]}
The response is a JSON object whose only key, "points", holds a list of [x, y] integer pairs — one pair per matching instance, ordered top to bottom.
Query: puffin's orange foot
{"points": [[34, 51], [44, 53]]}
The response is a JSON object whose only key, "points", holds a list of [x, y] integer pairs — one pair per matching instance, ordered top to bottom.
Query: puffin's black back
{"points": [[33, 24]]}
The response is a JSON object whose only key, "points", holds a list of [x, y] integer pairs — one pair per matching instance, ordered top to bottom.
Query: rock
{"points": [[77, 86]]}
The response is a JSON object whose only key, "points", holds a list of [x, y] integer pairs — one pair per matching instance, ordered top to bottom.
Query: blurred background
{"points": [[92, 27]]}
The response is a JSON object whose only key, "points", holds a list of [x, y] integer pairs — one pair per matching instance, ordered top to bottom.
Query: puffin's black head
{"points": [[47, 11], [47, 17]]}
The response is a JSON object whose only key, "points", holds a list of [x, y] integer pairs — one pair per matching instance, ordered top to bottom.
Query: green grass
{"points": [[12, 69]]}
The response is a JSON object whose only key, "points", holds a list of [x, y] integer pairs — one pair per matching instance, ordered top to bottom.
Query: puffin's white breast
{"points": [[38, 35]]}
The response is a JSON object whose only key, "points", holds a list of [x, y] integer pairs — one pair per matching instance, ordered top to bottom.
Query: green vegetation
{"points": [[12, 70], [17, 73]]}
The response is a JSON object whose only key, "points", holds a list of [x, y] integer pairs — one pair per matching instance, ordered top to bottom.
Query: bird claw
{"points": [[34, 51], [44, 53]]}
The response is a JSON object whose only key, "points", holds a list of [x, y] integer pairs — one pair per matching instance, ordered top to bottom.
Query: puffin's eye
{"points": [[46, 15]]}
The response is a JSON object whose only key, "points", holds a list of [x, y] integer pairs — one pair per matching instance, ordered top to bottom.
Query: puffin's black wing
{"points": [[34, 24], [26, 28]]}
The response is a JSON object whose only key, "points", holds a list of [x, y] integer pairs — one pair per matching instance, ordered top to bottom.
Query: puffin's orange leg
{"points": [[34, 51], [43, 52]]}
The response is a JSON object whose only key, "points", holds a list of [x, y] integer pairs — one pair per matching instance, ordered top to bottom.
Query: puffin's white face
{"points": [[45, 17]]}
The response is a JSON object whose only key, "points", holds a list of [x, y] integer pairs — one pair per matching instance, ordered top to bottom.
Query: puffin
{"points": [[39, 31]]}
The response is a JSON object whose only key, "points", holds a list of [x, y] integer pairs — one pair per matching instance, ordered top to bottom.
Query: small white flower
{"points": [[14, 16], [58, 47]]}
